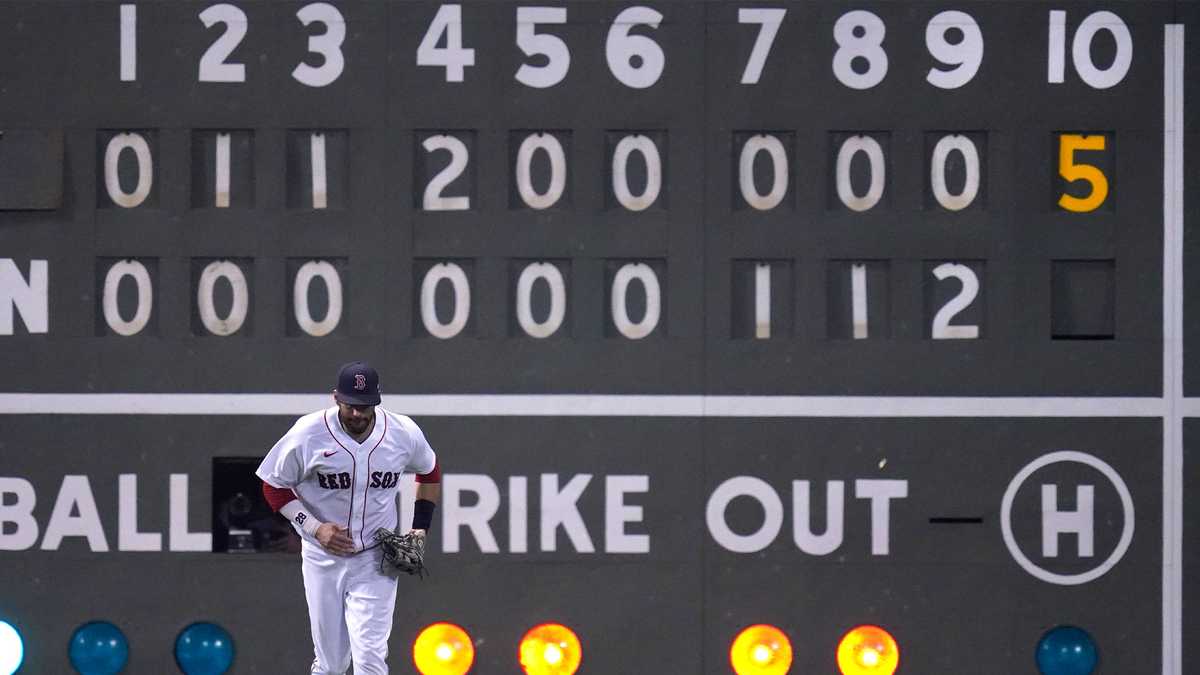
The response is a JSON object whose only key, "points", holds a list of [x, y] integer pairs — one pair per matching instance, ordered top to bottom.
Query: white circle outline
{"points": [[1054, 458]]}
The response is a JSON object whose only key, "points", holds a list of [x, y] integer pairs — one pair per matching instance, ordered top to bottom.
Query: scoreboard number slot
{"points": [[1076, 172], [433, 199], [941, 328]]}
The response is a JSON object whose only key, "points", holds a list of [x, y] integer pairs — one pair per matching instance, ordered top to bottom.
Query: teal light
{"points": [[98, 648], [12, 649], [204, 649], [1066, 650]]}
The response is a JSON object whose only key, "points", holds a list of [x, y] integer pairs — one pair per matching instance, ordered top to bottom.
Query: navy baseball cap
{"points": [[358, 384]]}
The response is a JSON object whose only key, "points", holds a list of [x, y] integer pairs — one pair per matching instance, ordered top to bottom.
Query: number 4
{"points": [[448, 22]]}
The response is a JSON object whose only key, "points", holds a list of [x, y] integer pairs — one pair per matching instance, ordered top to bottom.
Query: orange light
{"points": [[443, 649], [550, 649], [761, 650], [868, 650]]}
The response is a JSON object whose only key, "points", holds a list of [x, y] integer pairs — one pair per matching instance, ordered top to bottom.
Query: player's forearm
{"points": [[429, 491], [287, 503], [425, 504]]}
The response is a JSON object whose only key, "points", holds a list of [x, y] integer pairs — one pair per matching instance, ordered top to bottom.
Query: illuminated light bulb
{"points": [[12, 649], [443, 649], [550, 649], [761, 649], [868, 650], [1066, 650]]}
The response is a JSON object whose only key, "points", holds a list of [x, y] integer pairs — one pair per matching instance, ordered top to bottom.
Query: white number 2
{"points": [[448, 22], [328, 45], [212, 65], [941, 329]]}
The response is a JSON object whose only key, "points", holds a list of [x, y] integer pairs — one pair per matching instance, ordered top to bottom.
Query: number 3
{"points": [[328, 45]]}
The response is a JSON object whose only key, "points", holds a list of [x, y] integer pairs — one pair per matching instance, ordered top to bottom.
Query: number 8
{"points": [[867, 45]]}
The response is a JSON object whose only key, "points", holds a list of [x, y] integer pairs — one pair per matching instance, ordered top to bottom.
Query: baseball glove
{"points": [[402, 553]]}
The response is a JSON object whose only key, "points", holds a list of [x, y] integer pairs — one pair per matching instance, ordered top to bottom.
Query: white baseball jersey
{"points": [[342, 481]]}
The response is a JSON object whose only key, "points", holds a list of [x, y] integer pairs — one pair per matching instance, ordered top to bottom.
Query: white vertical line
{"points": [[128, 43], [1056, 46], [318, 171], [222, 182], [858, 300], [762, 301], [1172, 589]]}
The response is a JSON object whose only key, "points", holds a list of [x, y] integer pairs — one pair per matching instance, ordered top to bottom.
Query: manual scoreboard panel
{"points": [[805, 202]]}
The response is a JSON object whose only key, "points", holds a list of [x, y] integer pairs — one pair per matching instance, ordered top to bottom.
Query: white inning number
{"points": [[769, 21], [859, 36], [327, 44], [621, 48], [1081, 49], [966, 55], [558, 56], [455, 59], [213, 67], [433, 199], [941, 329]]}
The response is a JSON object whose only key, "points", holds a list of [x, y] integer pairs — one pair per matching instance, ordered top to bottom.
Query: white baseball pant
{"points": [[350, 606]]}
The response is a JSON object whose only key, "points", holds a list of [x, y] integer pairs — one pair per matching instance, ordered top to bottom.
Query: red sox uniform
{"points": [[354, 485]]}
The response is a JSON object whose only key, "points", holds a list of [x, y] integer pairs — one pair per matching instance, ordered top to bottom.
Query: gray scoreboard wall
{"points": [[812, 314]]}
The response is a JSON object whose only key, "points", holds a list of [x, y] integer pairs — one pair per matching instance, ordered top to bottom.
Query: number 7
{"points": [[769, 20]]}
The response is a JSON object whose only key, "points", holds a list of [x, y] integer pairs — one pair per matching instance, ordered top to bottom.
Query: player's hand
{"points": [[335, 539]]}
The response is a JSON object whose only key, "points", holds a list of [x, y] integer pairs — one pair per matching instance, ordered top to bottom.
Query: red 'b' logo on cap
{"points": [[360, 382]]}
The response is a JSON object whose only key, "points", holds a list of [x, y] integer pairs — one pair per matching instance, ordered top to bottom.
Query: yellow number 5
{"points": [[1070, 171]]}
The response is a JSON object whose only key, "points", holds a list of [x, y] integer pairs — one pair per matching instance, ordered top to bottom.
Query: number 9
{"points": [[967, 54]]}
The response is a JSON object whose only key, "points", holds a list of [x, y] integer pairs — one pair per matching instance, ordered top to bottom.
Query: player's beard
{"points": [[356, 425]]}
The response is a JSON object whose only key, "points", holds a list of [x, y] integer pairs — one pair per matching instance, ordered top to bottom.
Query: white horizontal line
{"points": [[594, 405], [1189, 407]]}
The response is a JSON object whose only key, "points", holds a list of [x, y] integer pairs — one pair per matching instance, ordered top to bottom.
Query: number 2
{"points": [[212, 65]]}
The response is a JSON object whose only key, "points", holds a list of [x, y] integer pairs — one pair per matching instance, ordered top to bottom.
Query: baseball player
{"points": [[335, 476]]}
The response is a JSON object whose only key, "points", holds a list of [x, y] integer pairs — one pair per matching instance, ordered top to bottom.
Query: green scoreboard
{"points": [[809, 314]]}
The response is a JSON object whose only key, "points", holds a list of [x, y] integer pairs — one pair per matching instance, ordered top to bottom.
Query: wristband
{"points": [[295, 513], [423, 514]]}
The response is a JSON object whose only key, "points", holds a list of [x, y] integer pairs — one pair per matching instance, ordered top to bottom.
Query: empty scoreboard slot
{"points": [[31, 170], [1082, 300]]}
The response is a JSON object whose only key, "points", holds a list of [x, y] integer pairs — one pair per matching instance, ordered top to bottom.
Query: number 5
{"points": [[558, 57], [1070, 171]]}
